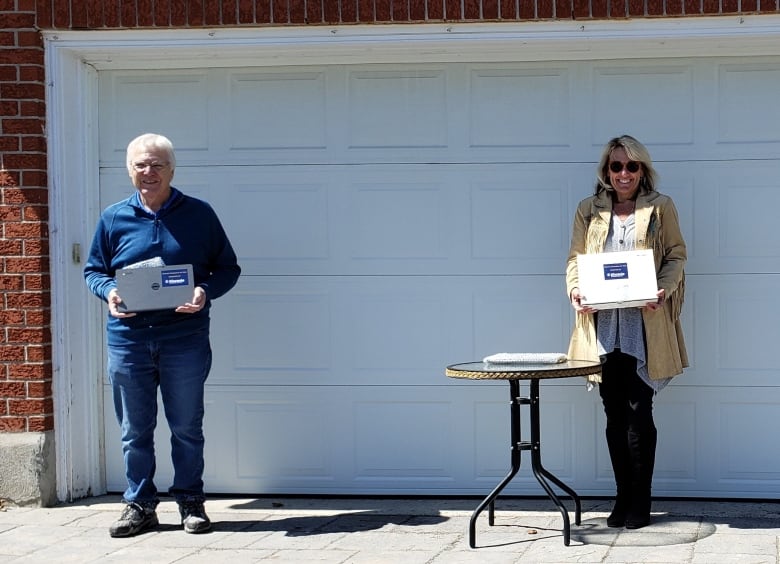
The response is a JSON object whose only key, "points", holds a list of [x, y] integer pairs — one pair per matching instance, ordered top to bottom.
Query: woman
{"points": [[642, 348]]}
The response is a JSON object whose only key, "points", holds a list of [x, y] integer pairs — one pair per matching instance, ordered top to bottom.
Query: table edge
{"points": [[524, 374]]}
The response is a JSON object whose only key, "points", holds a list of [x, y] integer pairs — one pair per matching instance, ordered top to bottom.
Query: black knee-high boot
{"points": [[631, 438], [642, 445], [619, 455]]}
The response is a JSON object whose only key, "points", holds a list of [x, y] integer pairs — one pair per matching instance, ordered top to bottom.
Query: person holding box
{"points": [[642, 348], [164, 349]]}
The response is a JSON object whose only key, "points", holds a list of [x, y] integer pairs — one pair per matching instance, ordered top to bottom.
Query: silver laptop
{"points": [[154, 287]]}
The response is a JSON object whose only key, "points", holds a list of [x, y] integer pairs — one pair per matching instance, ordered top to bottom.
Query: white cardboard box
{"points": [[617, 280]]}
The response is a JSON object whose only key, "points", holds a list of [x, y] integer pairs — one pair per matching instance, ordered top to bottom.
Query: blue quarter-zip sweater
{"points": [[184, 231]]}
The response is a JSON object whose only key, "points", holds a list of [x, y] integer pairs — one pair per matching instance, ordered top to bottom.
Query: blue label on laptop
{"points": [[616, 271], [175, 277]]}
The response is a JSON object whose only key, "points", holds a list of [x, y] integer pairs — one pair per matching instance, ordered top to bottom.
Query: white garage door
{"points": [[393, 219]]}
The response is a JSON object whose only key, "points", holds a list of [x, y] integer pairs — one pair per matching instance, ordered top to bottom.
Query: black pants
{"points": [[631, 432]]}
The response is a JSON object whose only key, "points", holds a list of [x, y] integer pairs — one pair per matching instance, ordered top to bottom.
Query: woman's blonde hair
{"points": [[636, 152]]}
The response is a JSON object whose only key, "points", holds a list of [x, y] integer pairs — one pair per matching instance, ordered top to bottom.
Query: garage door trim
{"points": [[73, 60]]}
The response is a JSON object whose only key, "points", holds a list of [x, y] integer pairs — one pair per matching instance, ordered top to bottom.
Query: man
{"points": [[166, 349]]}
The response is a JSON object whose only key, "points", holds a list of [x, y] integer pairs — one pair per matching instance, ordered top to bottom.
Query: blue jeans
{"points": [[179, 367]]}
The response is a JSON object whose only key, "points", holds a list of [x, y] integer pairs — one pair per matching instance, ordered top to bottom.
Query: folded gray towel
{"points": [[525, 358]]}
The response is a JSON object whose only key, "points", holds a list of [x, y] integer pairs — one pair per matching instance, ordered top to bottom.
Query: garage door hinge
{"points": [[76, 253]]}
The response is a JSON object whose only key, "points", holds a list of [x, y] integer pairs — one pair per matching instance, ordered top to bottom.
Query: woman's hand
{"points": [[576, 302], [659, 303]]}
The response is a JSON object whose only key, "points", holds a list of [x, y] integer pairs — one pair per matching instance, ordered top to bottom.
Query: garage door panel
{"points": [[153, 101], [747, 102], [519, 107], [400, 108], [667, 108], [277, 110], [499, 213], [405, 219], [409, 219], [332, 220], [280, 221], [746, 235], [740, 238], [761, 240], [530, 315], [699, 320], [725, 320], [285, 330], [376, 330], [337, 331], [395, 332], [747, 356], [559, 420], [267, 428], [488, 437], [324, 440], [426, 449], [735, 452], [749, 452], [677, 456], [693, 460], [687, 464]]}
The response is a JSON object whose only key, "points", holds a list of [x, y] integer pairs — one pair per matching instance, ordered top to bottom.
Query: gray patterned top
{"points": [[623, 328]]}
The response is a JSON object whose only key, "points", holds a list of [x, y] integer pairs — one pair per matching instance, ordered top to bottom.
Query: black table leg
{"points": [[540, 472], [489, 501]]}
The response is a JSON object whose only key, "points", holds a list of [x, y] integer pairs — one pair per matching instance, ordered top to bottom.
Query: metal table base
{"points": [[543, 476]]}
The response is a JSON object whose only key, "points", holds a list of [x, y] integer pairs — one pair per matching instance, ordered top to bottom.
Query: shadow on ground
{"points": [[308, 525], [664, 530]]}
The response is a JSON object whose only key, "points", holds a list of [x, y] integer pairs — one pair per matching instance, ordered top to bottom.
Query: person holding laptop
{"points": [[642, 348], [166, 349]]}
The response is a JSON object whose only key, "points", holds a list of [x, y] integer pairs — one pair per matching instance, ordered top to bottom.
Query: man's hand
{"points": [[197, 303], [113, 305]]}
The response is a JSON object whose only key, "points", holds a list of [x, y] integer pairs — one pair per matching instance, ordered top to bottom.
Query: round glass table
{"points": [[533, 373]]}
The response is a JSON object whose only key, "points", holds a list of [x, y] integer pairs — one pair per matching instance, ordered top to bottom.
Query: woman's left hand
{"points": [[658, 304]]}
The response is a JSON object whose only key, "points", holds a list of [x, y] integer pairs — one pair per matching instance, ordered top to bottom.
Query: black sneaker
{"points": [[193, 517], [134, 520]]}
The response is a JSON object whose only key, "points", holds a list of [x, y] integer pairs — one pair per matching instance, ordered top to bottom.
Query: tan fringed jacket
{"points": [[657, 228]]}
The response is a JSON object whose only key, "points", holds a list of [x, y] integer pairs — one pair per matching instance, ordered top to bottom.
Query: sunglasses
{"points": [[630, 166]]}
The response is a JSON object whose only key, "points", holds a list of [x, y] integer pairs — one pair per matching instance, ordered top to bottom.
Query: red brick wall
{"points": [[93, 14], [25, 340]]}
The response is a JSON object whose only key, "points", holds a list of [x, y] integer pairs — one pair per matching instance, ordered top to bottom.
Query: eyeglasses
{"points": [[630, 166], [156, 167]]}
